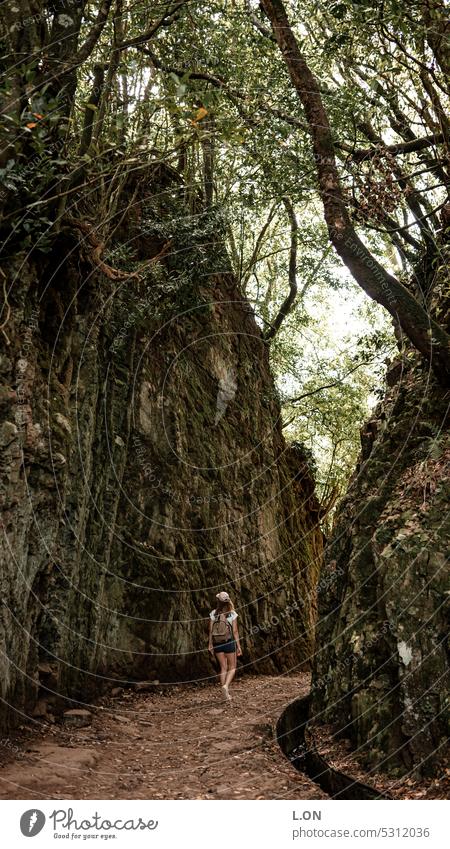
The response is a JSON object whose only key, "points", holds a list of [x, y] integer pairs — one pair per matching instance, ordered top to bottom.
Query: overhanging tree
{"points": [[427, 336]]}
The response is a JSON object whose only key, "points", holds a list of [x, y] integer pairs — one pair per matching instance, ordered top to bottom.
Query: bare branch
{"points": [[164, 20], [257, 23], [94, 34], [219, 82], [91, 109], [364, 154], [259, 240], [288, 302], [337, 382]]}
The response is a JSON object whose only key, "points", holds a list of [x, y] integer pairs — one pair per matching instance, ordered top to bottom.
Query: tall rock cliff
{"points": [[143, 466], [381, 666]]}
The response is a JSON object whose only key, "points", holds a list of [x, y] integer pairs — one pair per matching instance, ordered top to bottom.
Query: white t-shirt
{"points": [[231, 616]]}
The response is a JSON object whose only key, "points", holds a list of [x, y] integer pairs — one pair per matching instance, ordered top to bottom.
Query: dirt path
{"points": [[179, 743]]}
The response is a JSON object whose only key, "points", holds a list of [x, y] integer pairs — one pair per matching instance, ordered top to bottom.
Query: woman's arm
{"points": [[236, 637], [210, 642]]}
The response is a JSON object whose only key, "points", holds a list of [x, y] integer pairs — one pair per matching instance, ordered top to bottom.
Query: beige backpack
{"points": [[221, 630]]}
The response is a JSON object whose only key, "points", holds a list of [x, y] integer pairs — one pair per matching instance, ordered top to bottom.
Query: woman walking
{"points": [[224, 639]]}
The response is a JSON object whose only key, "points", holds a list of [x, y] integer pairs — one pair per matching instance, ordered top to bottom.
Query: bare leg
{"points": [[222, 658], [231, 670]]}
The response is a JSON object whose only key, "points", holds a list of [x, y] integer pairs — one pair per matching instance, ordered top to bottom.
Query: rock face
{"points": [[144, 469], [381, 668]]}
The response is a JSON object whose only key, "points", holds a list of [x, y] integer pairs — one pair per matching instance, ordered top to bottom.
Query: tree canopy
{"points": [[313, 134]]}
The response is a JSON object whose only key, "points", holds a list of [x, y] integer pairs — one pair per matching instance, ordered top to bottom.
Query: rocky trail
{"points": [[176, 742]]}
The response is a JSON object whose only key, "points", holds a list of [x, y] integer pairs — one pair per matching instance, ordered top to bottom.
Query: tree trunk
{"points": [[425, 334]]}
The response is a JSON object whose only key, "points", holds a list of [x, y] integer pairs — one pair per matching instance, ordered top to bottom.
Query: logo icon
{"points": [[32, 822]]}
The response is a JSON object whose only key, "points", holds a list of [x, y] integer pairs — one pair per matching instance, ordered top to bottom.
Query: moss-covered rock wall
{"points": [[144, 469], [381, 666]]}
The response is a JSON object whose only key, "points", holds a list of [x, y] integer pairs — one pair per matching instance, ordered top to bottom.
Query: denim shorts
{"points": [[228, 647]]}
